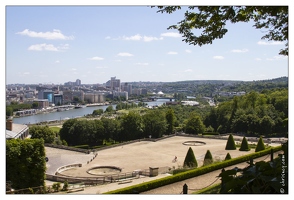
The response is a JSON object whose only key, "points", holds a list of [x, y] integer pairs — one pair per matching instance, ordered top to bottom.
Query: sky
{"points": [[58, 44]]}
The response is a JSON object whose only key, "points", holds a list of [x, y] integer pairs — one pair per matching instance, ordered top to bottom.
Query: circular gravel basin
{"points": [[194, 143], [104, 170]]}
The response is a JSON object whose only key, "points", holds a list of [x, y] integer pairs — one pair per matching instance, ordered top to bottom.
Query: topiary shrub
{"points": [[231, 143], [244, 145], [260, 145], [228, 156], [207, 158], [190, 160]]}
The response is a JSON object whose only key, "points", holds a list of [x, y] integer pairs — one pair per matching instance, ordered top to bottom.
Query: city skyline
{"points": [[93, 43]]}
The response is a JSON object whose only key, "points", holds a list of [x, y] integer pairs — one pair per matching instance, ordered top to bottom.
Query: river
{"points": [[72, 113]]}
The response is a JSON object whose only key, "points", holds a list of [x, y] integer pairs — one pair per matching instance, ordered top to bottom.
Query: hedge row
{"points": [[142, 187]]}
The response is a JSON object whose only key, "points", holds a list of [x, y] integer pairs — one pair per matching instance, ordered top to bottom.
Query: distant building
{"points": [[78, 82], [113, 84], [127, 88], [46, 94], [120, 94], [69, 95], [94, 97], [58, 99], [43, 103], [16, 131]]}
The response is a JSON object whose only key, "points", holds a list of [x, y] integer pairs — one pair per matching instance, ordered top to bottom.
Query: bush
{"points": [[231, 143], [244, 145], [260, 145], [228, 156], [207, 158], [190, 160], [65, 186], [56, 187]]}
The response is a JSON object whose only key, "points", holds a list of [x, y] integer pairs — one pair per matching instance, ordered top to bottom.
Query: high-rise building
{"points": [[78, 82], [114, 84]]}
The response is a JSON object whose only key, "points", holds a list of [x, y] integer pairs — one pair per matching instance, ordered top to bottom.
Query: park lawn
{"points": [[55, 128]]}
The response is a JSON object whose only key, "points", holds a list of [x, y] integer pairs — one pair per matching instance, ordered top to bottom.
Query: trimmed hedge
{"points": [[231, 143], [244, 145], [260, 145], [228, 156], [190, 160], [142, 187]]}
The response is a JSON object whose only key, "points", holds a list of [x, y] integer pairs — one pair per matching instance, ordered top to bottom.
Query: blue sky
{"points": [[57, 44]]}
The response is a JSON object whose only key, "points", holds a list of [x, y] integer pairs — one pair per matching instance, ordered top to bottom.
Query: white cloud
{"points": [[171, 34], [54, 35], [107, 37], [135, 37], [138, 37], [149, 39], [270, 43], [48, 47], [239, 50], [188, 51], [172, 53], [125, 54], [218, 57], [279, 57], [96, 58], [258, 59], [57, 61], [142, 64], [99, 67], [73, 69], [188, 70], [26, 73]]}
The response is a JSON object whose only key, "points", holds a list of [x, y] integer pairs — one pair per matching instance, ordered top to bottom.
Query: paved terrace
{"points": [[140, 156]]}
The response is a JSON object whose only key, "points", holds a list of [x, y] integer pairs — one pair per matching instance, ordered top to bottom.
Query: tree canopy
{"points": [[212, 20]]}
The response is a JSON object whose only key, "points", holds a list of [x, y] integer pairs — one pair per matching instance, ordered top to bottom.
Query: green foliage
{"points": [[212, 20], [109, 109], [97, 112], [170, 119], [154, 123], [194, 125], [131, 126], [42, 132], [230, 143], [244, 145], [260, 145], [228, 156], [208, 159], [190, 160], [25, 163], [261, 178], [65, 186], [56, 187]]}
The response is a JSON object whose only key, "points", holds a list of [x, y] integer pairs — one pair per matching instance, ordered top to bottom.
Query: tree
{"points": [[212, 20], [109, 109], [97, 112], [170, 119], [154, 123], [194, 125], [131, 126], [64, 131], [42, 132], [230, 143], [244, 145], [260, 145], [228, 156], [207, 158], [190, 160], [25, 163]]}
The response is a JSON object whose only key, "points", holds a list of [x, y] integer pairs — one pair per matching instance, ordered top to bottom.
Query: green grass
{"points": [[55, 128]]}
